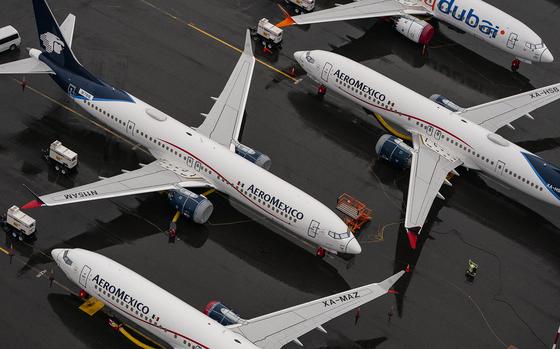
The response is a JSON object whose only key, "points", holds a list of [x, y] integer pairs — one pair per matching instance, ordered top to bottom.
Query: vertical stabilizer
{"points": [[51, 39]]}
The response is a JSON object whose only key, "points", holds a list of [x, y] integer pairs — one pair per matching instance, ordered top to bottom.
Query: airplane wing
{"points": [[356, 10], [67, 29], [29, 65], [496, 114], [223, 122], [429, 169], [156, 176], [272, 331]]}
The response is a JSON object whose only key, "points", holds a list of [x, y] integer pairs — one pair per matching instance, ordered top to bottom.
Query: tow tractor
{"points": [[300, 6], [269, 35], [63, 159], [18, 225]]}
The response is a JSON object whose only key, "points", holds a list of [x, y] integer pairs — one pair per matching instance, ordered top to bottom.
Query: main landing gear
{"points": [[515, 65], [322, 90]]}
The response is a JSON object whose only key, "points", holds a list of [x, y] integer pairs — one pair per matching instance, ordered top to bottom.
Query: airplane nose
{"points": [[298, 56], [547, 57], [353, 247], [55, 253]]}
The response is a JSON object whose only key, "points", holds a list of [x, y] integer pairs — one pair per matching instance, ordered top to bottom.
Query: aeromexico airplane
{"points": [[475, 17], [444, 135], [207, 156], [182, 326]]}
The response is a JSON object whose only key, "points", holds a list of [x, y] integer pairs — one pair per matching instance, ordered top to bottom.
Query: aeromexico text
{"points": [[359, 85], [274, 201], [121, 294]]}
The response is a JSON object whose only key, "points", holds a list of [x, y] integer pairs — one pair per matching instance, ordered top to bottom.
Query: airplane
{"points": [[475, 17], [444, 135], [209, 156], [182, 326]]}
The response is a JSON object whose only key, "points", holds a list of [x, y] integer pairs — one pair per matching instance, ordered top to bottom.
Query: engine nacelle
{"points": [[415, 29], [446, 103], [394, 150], [256, 157], [193, 206], [219, 312]]}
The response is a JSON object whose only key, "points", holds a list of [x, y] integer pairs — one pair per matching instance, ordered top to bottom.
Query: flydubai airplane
{"points": [[475, 17], [444, 136], [208, 156], [182, 326]]}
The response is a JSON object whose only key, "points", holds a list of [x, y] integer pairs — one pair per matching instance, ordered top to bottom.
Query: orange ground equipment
{"points": [[357, 213]]}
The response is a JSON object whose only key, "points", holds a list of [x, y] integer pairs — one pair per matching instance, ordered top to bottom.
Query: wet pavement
{"points": [[151, 49]]}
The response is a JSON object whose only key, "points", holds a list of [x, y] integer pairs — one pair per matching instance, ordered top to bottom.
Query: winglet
{"points": [[288, 21], [248, 49], [34, 203], [412, 234], [390, 281]]}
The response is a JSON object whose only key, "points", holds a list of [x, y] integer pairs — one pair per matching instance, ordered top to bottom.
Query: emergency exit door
{"points": [[512, 40], [326, 71], [130, 127], [84, 275]]}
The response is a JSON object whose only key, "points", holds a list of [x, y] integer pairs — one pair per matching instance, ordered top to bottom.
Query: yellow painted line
{"points": [[193, 26], [239, 50], [75, 112], [391, 128], [208, 192], [176, 217], [3, 250], [144, 336], [134, 340]]}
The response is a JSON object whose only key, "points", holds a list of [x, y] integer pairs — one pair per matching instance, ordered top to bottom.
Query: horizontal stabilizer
{"points": [[67, 29], [29, 65]]}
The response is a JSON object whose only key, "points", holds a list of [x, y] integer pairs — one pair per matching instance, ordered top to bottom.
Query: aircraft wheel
{"points": [[13, 47], [57, 168], [63, 171]]}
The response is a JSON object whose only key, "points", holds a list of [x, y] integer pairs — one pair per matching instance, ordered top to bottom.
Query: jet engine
{"points": [[415, 29], [446, 103], [394, 150], [256, 157], [191, 205], [219, 312]]}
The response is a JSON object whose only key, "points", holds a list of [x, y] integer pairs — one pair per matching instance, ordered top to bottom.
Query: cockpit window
{"points": [[534, 46], [309, 58], [338, 236], [66, 259]]}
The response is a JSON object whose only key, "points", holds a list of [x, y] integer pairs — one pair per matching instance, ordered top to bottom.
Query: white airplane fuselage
{"points": [[493, 26], [168, 139], [477, 147], [142, 302]]}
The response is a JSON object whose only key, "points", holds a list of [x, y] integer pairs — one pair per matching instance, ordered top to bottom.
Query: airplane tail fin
{"points": [[55, 44]]}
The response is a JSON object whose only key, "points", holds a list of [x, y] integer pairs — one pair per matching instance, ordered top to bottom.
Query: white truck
{"points": [[300, 6], [268, 34], [63, 159], [19, 225]]}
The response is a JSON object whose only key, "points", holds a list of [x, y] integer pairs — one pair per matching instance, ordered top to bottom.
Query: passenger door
{"points": [[512, 40], [326, 71], [500, 167], [313, 227], [84, 275]]}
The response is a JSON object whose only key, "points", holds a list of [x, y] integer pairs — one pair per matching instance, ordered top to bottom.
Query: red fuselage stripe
{"points": [[407, 115]]}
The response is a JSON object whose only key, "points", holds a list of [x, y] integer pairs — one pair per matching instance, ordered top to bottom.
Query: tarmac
{"points": [[175, 55]]}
